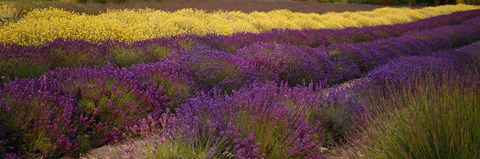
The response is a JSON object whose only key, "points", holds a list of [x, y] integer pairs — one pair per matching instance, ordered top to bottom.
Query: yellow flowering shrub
{"points": [[7, 11], [44, 25]]}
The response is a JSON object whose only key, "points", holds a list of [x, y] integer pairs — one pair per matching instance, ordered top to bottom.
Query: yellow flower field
{"points": [[44, 25]]}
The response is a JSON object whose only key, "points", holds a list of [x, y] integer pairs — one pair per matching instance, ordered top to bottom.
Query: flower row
{"points": [[44, 25], [33, 61], [67, 111], [275, 121]]}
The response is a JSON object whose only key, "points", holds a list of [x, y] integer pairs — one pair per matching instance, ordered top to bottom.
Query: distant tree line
{"points": [[402, 2]]}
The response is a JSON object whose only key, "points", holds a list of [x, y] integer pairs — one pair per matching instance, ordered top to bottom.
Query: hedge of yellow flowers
{"points": [[44, 25]]}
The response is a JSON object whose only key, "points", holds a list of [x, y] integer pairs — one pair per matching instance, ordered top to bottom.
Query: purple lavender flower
{"points": [[64, 53], [468, 56], [353, 60], [288, 62], [210, 68], [402, 69], [174, 80], [111, 100], [38, 117], [265, 120]]}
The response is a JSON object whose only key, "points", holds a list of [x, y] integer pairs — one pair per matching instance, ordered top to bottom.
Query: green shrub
{"points": [[159, 52], [124, 57], [22, 68]]}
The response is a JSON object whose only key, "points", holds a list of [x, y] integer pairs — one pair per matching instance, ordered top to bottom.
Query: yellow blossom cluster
{"points": [[7, 11], [44, 25]]}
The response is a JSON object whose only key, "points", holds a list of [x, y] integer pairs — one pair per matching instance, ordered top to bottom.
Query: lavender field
{"points": [[407, 90]]}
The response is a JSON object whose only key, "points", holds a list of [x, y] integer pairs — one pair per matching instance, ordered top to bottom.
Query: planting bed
{"points": [[276, 89]]}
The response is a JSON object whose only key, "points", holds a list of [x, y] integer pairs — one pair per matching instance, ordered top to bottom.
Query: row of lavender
{"points": [[325, 37], [32, 61], [299, 65], [70, 110], [275, 121]]}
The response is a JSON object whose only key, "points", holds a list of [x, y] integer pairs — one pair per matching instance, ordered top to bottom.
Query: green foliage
{"points": [[401, 2], [475, 2], [160, 52], [126, 57], [61, 59], [18, 67], [174, 90], [433, 119], [335, 123], [268, 131], [175, 149]]}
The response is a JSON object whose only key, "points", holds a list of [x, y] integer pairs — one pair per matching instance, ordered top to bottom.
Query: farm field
{"points": [[206, 5], [263, 82]]}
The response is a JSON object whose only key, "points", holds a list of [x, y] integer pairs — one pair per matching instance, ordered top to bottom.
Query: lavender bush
{"points": [[74, 53], [467, 57], [18, 61], [33, 61], [290, 63], [211, 68], [403, 69], [400, 70], [168, 78], [110, 101], [433, 117], [38, 119], [236, 121], [260, 121]]}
